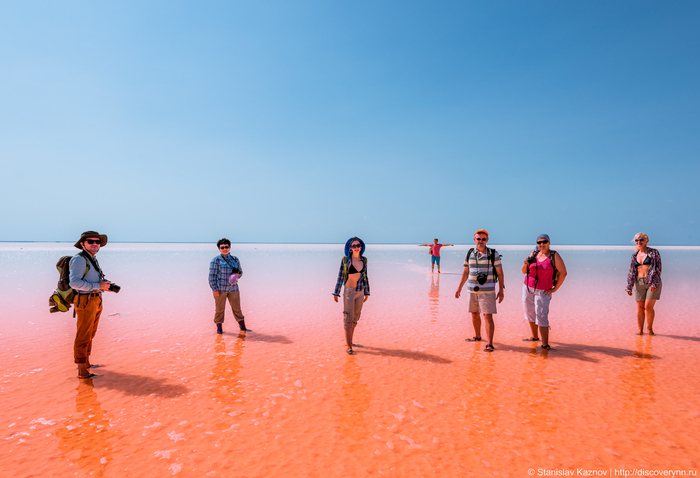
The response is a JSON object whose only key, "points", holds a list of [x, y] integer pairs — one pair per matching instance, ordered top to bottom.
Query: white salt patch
{"points": [[176, 436], [163, 454]]}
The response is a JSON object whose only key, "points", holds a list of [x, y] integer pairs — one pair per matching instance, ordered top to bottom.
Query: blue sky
{"points": [[315, 121]]}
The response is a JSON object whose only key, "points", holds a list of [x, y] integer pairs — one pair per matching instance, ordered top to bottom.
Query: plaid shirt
{"points": [[220, 270], [653, 274], [362, 284]]}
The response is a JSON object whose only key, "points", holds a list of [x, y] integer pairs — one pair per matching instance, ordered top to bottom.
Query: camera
{"points": [[532, 259], [481, 278], [114, 288]]}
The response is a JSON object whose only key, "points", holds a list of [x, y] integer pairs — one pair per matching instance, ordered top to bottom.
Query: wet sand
{"points": [[173, 398]]}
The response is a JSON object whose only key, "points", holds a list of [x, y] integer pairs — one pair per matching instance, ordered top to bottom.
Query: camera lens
{"points": [[476, 289]]}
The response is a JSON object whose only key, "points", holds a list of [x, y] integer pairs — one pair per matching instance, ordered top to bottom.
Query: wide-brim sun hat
{"points": [[88, 234]]}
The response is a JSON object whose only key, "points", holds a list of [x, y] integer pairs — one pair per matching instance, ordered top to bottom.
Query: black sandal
{"points": [[474, 339], [531, 339], [546, 347], [489, 348]]}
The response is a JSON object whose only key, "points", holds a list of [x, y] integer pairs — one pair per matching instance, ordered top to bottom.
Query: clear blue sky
{"points": [[398, 121]]}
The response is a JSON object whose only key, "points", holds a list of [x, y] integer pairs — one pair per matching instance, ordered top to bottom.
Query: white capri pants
{"points": [[536, 305]]}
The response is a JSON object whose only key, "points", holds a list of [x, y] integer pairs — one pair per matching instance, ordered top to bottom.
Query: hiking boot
{"points": [[219, 328]]}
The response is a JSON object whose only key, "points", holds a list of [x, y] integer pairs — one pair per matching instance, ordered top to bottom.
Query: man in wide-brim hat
{"points": [[92, 234], [88, 281]]}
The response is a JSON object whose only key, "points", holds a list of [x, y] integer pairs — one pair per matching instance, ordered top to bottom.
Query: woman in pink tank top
{"points": [[542, 279]]}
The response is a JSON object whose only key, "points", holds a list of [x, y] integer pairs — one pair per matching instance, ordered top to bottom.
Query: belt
{"points": [[92, 294]]}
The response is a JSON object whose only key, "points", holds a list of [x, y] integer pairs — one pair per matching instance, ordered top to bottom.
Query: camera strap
{"points": [[95, 264], [234, 268]]}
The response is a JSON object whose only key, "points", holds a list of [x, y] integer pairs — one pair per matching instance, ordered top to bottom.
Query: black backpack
{"points": [[491, 257]]}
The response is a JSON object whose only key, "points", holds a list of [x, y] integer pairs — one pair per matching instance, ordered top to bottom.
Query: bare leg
{"points": [[432, 267], [438, 268], [649, 308], [640, 316], [476, 321], [490, 326], [534, 329], [544, 333], [348, 336]]}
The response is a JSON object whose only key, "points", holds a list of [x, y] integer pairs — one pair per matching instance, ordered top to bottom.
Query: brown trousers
{"points": [[234, 298], [88, 309]]}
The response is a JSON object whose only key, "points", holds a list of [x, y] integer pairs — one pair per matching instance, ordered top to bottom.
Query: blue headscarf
{"points": [[541, 236], [348, 251]]}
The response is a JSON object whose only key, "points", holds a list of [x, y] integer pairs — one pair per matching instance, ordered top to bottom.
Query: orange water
{"points": [[173, 398]]}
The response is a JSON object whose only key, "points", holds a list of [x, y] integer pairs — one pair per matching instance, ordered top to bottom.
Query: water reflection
{"points": [[434, 298], [226, 387], [638, 388], [537, 395], [353, 402], [480, 405], [90, 435]]}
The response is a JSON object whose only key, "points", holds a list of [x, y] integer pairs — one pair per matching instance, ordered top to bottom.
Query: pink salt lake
{"points": [[173, 398]]}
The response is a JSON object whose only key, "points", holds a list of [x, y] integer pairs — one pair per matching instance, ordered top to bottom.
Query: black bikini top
{"points": [[646, 262], [352, 270]]}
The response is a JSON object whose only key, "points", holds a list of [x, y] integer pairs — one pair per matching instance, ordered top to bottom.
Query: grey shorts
{"points": [[642, 290], [484, 303]]}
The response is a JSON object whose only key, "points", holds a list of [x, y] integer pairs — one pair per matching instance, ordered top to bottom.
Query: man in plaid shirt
{"points": [[224, 272]]}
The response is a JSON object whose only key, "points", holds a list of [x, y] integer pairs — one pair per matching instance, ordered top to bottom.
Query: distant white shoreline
{"points": [[196, 246]]}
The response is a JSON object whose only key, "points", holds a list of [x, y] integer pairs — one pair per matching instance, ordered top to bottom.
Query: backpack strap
{"points": [[469, 254], [552, 255], [492, 256]]}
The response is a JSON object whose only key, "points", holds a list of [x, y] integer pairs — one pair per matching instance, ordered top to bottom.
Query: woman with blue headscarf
{"points": [[544, 273], [353, 275]]}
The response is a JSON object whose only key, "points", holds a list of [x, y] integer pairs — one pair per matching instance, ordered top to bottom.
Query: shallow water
{"points": [[173, 398]]}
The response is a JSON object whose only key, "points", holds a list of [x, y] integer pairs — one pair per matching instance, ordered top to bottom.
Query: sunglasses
{"points": [[480, 239], [639, 240], [93, 241], [542, 242], [356, 246], [224, 247]]}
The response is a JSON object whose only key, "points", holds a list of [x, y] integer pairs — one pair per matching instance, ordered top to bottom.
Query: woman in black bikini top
{"points": [[353, 275]]}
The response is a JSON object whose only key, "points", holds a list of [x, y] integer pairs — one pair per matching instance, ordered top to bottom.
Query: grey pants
{"points": [[234, 298], [352, 307]]}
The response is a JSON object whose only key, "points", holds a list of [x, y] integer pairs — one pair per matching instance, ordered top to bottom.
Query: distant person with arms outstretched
{"points": [[435, 253], [482, 268]]}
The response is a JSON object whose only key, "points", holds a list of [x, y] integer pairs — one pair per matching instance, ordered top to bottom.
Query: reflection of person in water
{"points": [[434, 295], [638, 383], [225, 386], [354, 402], [89, 435]]}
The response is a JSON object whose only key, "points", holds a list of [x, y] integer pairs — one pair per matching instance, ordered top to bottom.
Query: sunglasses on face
{"points": [[480, 239], [639, 240], [93, 241], [542, 242], [356, 246], [224, 247]]}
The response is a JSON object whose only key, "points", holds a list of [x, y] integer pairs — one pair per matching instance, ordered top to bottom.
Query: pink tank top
{"points": [[436, 249], [544, 273]]}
